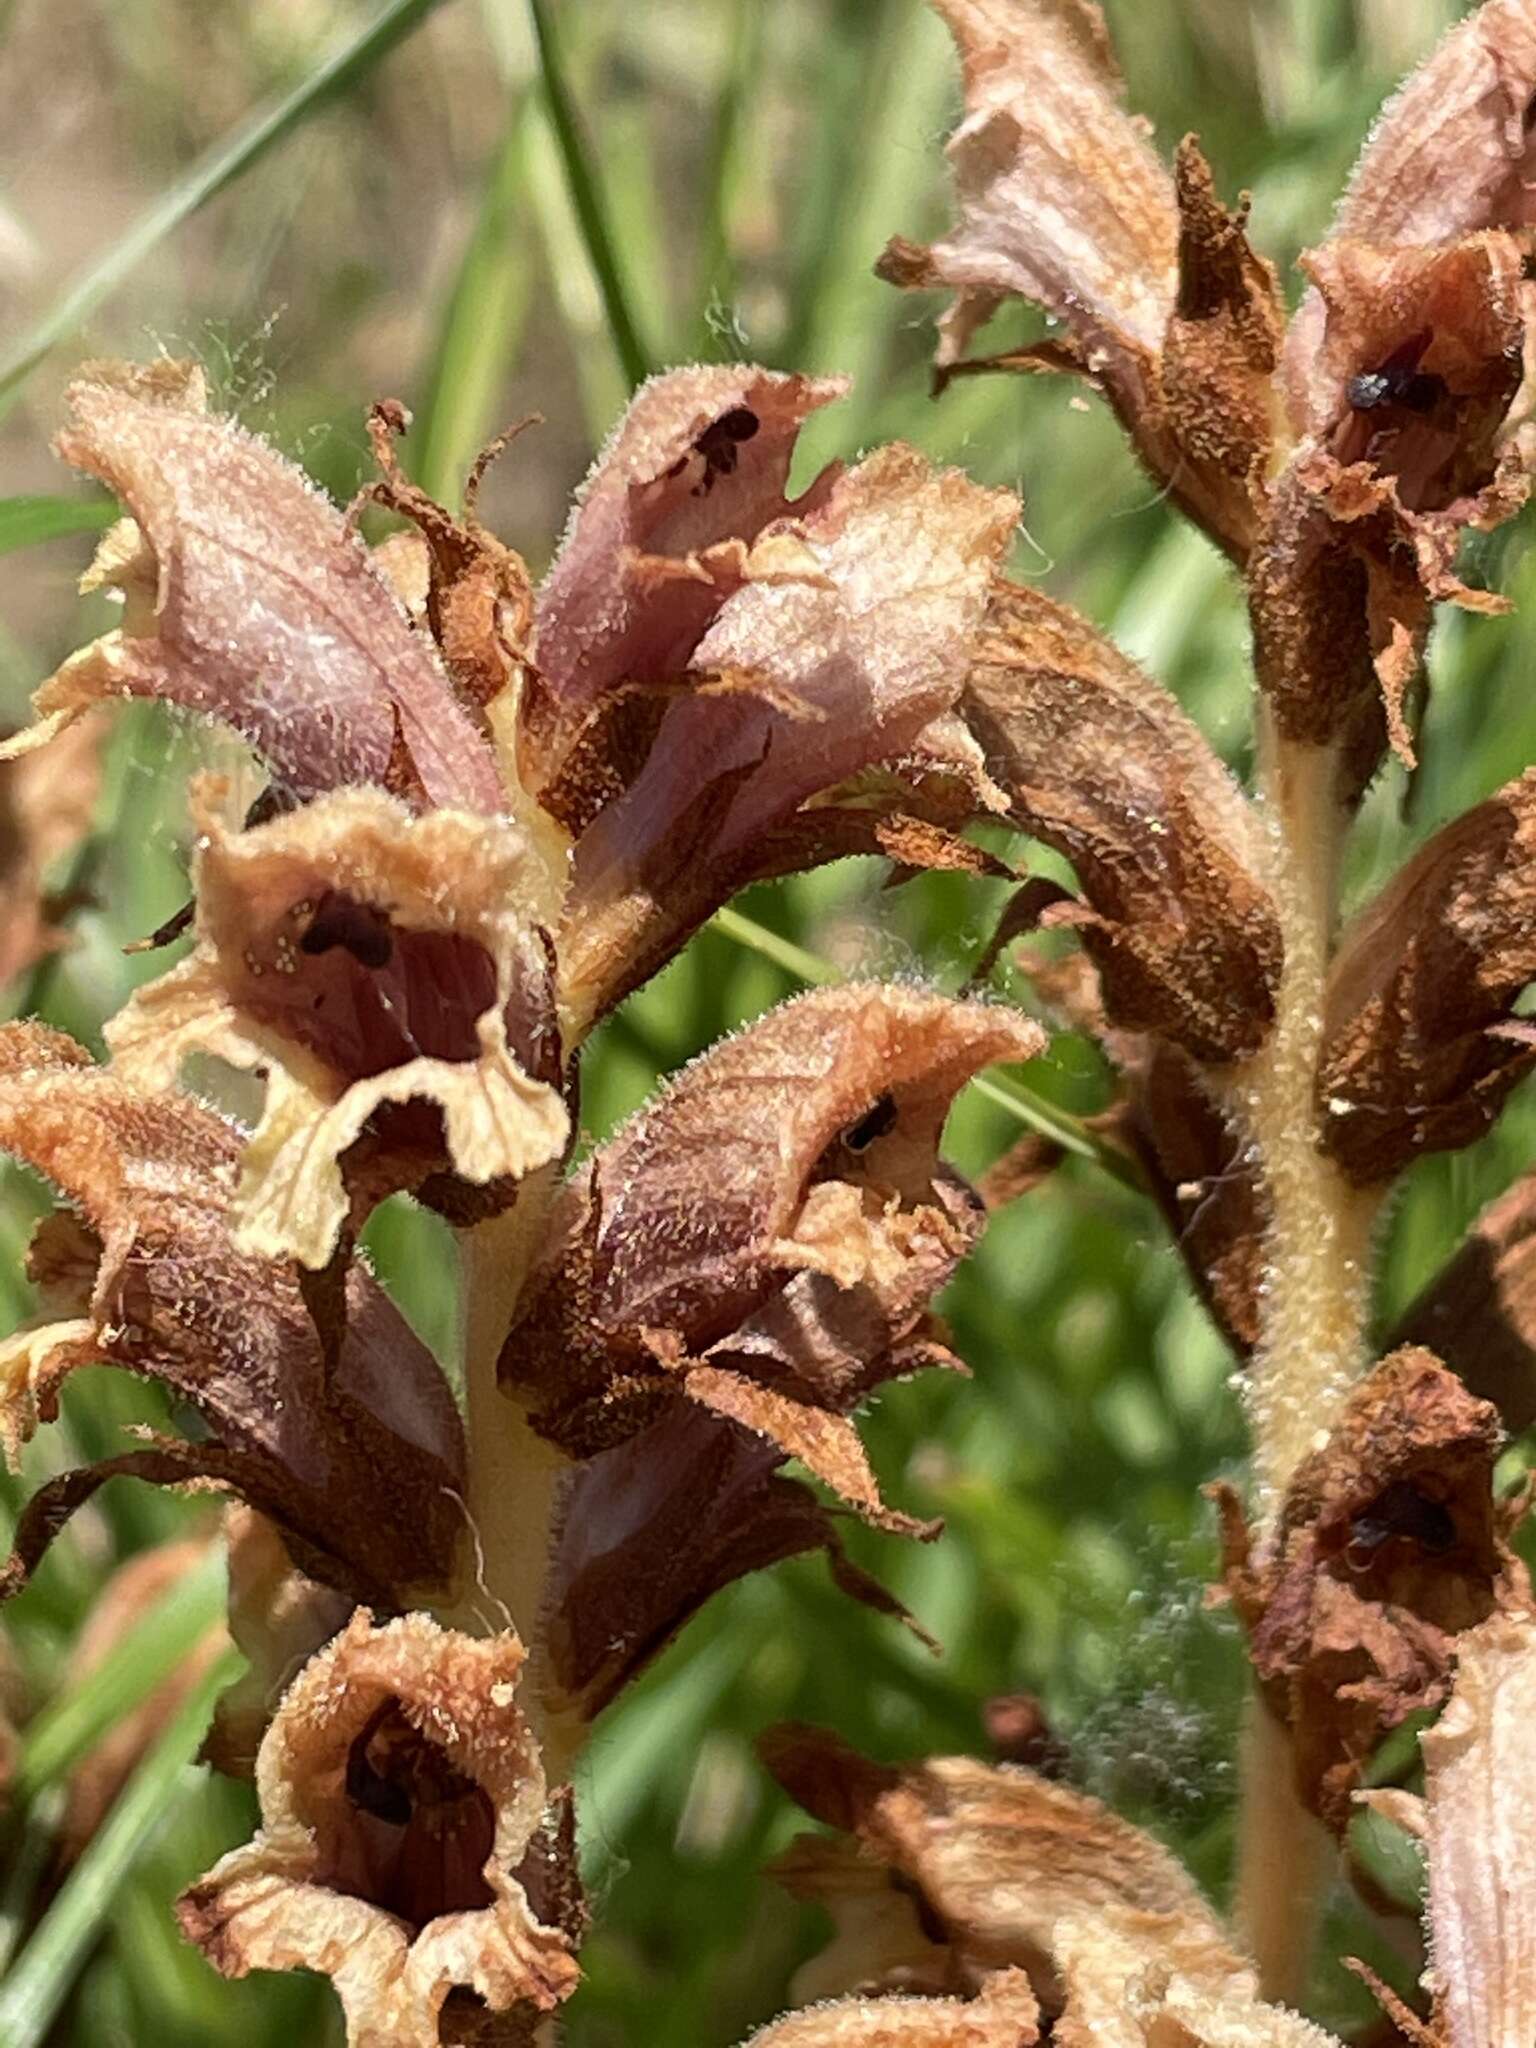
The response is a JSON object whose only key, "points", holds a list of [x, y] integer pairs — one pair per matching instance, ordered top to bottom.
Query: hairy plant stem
{"points": [[1311, 1346], [515, 1477]]}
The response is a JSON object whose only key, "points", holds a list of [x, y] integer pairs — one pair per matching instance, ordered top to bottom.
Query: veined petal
{"points": [[1452, 151], [1062, 199], [661, 534], [250, 599], [801, 683], [363, 957], [401, 1790], [1482, 1883]]}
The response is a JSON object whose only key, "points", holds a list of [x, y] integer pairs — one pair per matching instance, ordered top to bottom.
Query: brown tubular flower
{"points": [[1064, 203], [1403, 371], [662, 532], [249, 598], [846, 640], [1098, 761], [368, 960], [1420, 1044], [765, 1238], [725, 1283], [359, 1460], [1390, 1544], [401, 1792], [960, 1876]]}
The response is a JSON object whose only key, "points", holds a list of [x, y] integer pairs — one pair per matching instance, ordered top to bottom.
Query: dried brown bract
{"points": [[1098, 761], [1420, 1046], [731, 1277], [1390, 1545], [400, 1792]]}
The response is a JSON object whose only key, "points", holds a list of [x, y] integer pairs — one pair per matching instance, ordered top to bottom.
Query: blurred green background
{"points": [[416, 231]]}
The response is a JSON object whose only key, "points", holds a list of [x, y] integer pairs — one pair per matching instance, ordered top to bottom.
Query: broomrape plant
{"points": [[492, 812]]}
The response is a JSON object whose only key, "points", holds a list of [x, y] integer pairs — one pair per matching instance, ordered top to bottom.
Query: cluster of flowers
{"points": [[492, 812]]}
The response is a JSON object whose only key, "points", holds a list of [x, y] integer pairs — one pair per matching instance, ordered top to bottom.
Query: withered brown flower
{"points": [[1064, 202], [1341, 466], [248, 598], [846, 640], [388, 975], [750, 1258], [360, 1459], [1390, 1545], [401, 1791], [962, 1875]]}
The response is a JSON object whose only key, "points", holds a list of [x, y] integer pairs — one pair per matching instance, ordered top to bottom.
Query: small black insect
{"points": [[1398, 381], [1415, 390], [720, 445], [340, 920], [879, 1118], [1401, 1511]]}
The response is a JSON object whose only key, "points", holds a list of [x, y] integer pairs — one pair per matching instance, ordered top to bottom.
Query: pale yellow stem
{"points": [[1316, 1298], [1313, 1314], [515, 1477], [1286, 1861]]}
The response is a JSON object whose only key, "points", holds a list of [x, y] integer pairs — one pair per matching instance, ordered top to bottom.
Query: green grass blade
{"points": [[727, 167], [212, 171], [587, 199], [481, 324], [26, 521], [70, 1725], [25, 1850], [40, 1982]]}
